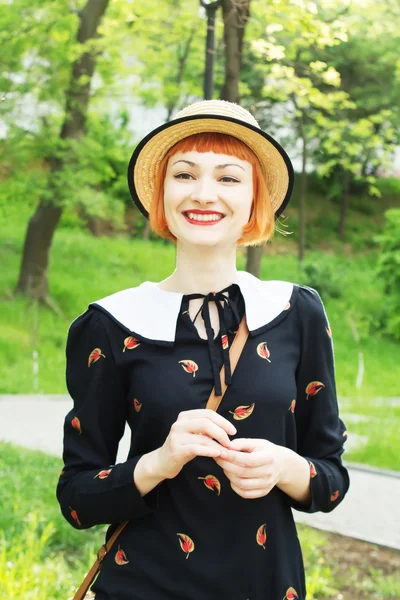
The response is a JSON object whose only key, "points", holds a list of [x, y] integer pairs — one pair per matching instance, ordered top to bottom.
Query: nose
{"points": [[205, 190]]}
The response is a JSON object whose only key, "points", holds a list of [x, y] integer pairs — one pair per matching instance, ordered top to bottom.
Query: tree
{"points": [[42, 225]]}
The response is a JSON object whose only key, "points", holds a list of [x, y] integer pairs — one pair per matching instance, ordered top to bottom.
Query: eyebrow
{"points": [[218, 167]]}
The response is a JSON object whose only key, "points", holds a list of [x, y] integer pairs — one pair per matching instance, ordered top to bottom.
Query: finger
{"points": [[212, 416], [208, 428], [186, 439], [244, 444], [203, 450], [247, 460], [231, 468], [253, 483], [250, 494]]}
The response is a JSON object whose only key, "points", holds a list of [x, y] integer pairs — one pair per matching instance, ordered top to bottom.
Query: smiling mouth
{"points": [[197, 219]]}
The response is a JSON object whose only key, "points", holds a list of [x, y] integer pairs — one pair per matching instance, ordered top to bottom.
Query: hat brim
{"points": [[146, 159]]}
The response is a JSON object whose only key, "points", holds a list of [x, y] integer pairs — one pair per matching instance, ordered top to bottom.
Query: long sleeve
{"points": [[320, 432], [91, 490]]}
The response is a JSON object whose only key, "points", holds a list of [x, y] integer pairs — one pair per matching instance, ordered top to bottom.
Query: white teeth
{"points": [[197, 217]]}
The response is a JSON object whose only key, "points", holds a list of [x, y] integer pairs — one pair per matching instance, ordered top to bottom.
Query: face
{"points": [[199, 183]]}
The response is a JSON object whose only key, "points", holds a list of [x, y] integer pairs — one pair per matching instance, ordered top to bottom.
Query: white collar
{"points": [[152, 312]]}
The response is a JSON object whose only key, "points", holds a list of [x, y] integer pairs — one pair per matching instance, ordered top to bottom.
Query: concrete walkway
{"points": [[370, 511]]}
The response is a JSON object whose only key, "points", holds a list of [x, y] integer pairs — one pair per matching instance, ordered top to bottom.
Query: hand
{"points": [[199, 432], [253, 466]]}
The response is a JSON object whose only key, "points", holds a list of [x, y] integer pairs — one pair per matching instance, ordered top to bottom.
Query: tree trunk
{"points": [[235, 15], [344, 205], [146, 231], [39, 236]]}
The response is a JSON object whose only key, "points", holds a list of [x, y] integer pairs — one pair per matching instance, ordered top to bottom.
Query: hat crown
{"points": [[218, 108]]}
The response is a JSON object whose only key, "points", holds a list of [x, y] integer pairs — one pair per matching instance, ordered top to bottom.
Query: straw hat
{"points": [[210, 116]]}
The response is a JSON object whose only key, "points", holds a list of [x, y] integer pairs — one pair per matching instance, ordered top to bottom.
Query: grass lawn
{"points": [[84, 268], [42, 556]]}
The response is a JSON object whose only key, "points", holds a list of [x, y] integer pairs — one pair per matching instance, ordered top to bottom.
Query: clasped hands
{"points": [[253, 466]]}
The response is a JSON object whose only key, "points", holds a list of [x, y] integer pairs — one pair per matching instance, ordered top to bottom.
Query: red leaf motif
{"points": [[225, 342], [130, 343], [263, 351], [94, 356], [189, 366], [313, 388], [137, 405], [292, 406], [242, 412], [76, 424], [313, 470], [103, 474], [211, 483], [335, 496], [74, 515], [261, 535], [186, 543], [120, 557], [291, 594]]}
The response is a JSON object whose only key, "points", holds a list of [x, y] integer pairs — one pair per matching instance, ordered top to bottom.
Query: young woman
{"points": [[208, 495]]}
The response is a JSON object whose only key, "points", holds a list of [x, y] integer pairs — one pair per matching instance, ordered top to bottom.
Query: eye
{"points": [[179, 175], [231, 178]]}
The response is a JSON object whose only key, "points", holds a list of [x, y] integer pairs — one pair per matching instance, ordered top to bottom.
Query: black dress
{"points": [[193, 537]]}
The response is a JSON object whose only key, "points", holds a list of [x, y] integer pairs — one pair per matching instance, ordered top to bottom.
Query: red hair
{"points": [[261, 225]]}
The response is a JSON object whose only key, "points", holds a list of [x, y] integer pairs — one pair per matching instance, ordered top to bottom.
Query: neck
{"points": [[201, 270]]}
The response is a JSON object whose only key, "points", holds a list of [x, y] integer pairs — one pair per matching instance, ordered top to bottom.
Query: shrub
{"points": [[388, 269], [320, 276]]}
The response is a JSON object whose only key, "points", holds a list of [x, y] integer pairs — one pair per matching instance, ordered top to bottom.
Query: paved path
{"points": [[370, 511]]}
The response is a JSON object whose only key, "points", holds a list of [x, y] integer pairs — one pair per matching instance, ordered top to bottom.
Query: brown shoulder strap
{"points": [[213, 404]]}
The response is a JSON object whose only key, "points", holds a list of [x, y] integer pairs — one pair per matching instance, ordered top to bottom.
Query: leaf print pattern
{"points": [[130, 343], [263, 351], [94, 356], [189, 366], [313, 388], [137, 405], [292, 406], [242, 412], [76, 424], [313, 471], [103, 474], [211, 483], [335, 496], [74, 515], [261, 535], [186, 543], [120, 557], [291, 594]]}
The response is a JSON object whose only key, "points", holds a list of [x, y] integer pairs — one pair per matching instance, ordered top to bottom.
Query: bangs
{"points": [[219, 143]]}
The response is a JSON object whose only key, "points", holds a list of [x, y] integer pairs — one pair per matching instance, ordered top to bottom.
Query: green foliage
{"points": [[389, 271], [322, 277], [41, 555], [28, 570], [320, 584]]}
